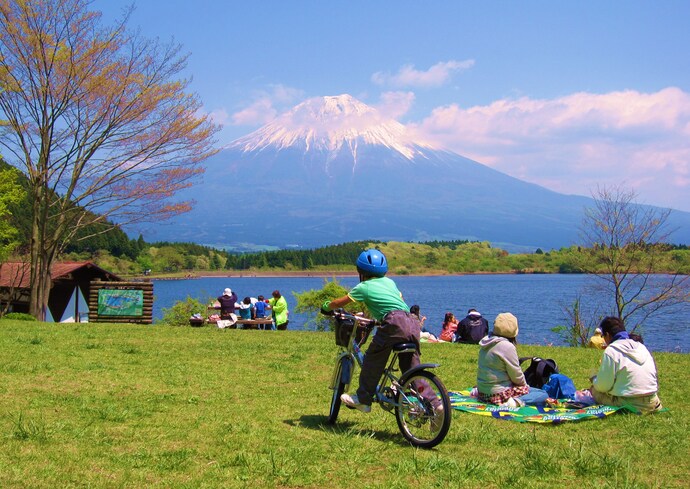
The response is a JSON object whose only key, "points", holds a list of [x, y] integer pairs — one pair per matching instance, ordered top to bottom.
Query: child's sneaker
{"points": [[513, 402], [353, 403]]}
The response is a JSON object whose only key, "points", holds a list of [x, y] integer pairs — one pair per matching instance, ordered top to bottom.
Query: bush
{"points": [[311, 301], [181, 311], [19, 316], [577, 331]]}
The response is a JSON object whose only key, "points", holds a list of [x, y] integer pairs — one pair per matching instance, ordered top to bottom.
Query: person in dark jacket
{"points": [[227, 304], [472, 329]]}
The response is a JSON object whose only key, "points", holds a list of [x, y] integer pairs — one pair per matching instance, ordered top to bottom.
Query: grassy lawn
{"points": [[104, 405]]}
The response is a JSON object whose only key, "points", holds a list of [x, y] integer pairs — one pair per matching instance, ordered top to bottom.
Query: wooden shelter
{"points": [[71, 285]]}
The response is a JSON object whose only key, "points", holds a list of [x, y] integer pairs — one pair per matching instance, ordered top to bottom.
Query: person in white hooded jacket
{"points": [[627, 375]]}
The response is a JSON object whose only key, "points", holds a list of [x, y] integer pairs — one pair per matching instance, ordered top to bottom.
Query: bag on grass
{"points": [[227, 323], [539, 371], [560, 386]]}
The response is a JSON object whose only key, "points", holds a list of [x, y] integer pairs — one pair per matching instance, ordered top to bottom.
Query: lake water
{"points": [[537, 301]]}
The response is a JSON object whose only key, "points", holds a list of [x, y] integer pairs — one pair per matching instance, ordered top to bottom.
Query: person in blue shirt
{"points": [[260, 307]]}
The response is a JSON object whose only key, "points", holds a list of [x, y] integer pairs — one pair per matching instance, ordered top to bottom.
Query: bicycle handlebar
{"points": [[366, 322]]}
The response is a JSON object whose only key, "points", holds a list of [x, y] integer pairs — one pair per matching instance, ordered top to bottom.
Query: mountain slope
{"points": [[333, 170]]}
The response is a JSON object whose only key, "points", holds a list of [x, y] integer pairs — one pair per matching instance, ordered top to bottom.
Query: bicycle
{"points": [[418, 397]]}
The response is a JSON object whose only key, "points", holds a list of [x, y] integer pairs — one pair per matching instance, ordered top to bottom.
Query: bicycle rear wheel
{"points": [[338, 390], [423, 412]]}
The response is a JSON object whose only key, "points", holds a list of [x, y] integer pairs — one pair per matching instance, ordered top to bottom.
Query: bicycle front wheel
{"points": [[338, 390], [423, 411]]}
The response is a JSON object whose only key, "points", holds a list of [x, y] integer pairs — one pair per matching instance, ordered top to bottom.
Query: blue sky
{"points": [[568, 95]]}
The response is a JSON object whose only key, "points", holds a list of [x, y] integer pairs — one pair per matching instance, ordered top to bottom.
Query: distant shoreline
{"points": [[305, 274]]}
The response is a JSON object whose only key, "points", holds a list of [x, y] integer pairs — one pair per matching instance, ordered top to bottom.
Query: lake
{"points": [[538, 301]]}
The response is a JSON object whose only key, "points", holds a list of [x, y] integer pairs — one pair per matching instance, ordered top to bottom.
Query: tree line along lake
{"points": [[539, 301]]}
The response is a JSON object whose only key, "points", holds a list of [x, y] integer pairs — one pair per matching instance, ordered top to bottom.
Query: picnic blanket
{"points": [[556, 412]]}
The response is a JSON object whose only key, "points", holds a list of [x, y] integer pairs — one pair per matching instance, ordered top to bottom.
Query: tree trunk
{"points": [[42, 254]]}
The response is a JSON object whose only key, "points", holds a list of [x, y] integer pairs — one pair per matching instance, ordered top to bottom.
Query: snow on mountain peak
{"points": [[329, 124]]}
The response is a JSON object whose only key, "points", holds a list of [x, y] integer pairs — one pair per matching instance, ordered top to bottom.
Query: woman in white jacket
{"points": [[627, 375]]}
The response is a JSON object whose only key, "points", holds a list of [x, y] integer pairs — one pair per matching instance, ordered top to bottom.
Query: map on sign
{"points": [[117, 302]]}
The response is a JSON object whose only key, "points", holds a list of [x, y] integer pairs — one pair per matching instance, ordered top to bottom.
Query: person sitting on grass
{"points": [[386, 304], [414, 309], [448, 328], [472, 329], [424, 335], [597, 340], [627, 375], [500, 379]]}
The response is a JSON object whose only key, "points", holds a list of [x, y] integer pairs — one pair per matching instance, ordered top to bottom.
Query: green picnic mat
{"points": [[557, 412]]}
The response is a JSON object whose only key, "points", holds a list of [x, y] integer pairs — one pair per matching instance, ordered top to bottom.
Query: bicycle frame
{"points": [[352, 351], [355, 355], [417, 398]]}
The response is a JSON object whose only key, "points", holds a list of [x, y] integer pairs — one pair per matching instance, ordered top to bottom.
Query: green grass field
{"points": [[104, 405]]}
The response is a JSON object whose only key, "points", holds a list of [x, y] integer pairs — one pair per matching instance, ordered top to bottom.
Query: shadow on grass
{"points": [[348, 428]]}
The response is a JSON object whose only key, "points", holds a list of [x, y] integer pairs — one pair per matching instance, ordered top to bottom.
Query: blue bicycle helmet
{"points": [[372, 262]]}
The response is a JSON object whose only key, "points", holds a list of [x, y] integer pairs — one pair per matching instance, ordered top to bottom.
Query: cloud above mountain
{"points": [[408, 76], [266, 104], [395, 104], [573, 143], [570, 144]]}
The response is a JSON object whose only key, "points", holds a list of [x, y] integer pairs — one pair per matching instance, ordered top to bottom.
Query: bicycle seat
{"points": [[405, 347]]}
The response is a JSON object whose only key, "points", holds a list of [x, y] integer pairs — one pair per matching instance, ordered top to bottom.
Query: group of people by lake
{"points": [[251, 308], [469, 330], [627, 374]]}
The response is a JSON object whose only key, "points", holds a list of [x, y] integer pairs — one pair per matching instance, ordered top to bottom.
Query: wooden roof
{"points": [[17, 274]]}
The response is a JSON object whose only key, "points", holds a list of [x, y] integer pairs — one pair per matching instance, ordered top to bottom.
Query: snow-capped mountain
{"points": [[329, 125], [333, 170]]}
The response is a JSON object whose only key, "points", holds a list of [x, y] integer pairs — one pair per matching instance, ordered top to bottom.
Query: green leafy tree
{"points": [[10, 193], [170, 259], [144, 262], [310, 302], [180, 312]]}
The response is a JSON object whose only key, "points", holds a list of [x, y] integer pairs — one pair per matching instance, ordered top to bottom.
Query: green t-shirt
{"points": [[380, 295]]}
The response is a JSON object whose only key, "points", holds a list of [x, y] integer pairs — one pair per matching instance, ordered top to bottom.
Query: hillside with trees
{"points": [[110, 248], [405, 259]]}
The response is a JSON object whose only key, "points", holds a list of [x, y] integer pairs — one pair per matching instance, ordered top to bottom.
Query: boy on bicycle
{"points": [[386, 304]]}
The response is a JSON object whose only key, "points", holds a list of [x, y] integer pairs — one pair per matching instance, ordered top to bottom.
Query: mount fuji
{"points": [[333, 170]]}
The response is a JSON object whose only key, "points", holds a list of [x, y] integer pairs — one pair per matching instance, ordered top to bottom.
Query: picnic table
{"points": [[261, 323]]}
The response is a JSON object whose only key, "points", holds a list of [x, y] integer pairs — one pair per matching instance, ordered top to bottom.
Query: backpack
{"points": [[539, 371], [560, 386]]}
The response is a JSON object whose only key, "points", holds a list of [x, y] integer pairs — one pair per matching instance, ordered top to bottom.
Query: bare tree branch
{"points": [[99, 121], [625, 244]]}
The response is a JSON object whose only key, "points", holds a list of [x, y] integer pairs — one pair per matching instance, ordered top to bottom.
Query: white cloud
{"points": [[408, 76], [284, 95], [395, 104], [266, 105], [260, 111], [219, 116], [573, 143]]}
